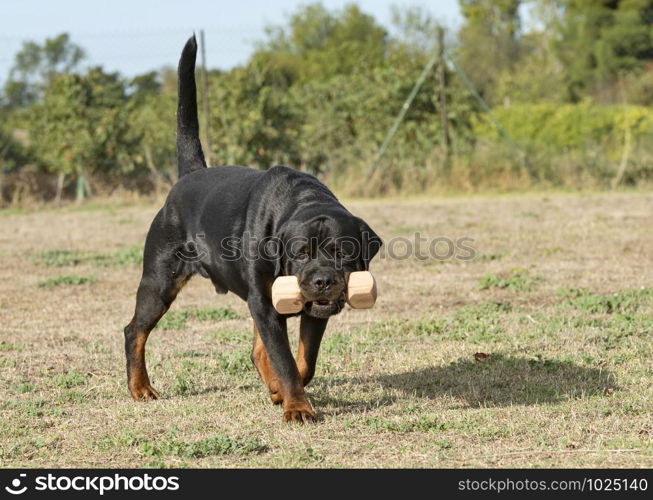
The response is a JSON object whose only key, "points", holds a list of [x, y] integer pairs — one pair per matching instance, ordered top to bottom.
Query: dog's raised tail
{"points": [[189, 149]]}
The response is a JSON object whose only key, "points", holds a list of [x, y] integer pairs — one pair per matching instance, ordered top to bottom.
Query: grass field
{"points": [[537, 352]]}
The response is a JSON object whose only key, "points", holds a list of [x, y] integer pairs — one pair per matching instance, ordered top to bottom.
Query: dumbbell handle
{"points": [[287, 296]]}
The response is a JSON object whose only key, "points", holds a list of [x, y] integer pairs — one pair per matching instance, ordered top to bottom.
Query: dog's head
{"points": [[321, 250]]}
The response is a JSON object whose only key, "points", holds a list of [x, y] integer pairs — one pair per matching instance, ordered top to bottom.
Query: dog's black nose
{"points": [[322, 281]]}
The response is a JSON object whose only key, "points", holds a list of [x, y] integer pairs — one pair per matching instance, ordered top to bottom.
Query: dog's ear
{"points": [[370, 244], [278, 251]]}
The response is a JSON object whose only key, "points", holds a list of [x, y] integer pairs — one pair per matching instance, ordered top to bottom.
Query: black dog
{"points": [[247, 227]]}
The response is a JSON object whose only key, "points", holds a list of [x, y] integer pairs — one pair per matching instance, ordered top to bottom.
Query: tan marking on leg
{"points": [[262, 363], [302, 364], [139, 382], [296, 407]]}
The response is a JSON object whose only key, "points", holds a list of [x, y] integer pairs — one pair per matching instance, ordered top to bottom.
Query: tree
{"points": [[416, 32], [602, 39], [489, 42], [319, 44], [35, 65], [144, 86], [322, 94], [254, 121], [81, 125], [152, 126], [13, 153]]}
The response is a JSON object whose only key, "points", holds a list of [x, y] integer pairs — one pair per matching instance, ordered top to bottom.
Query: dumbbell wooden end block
{"points": [[361, 290], [287, 297]]}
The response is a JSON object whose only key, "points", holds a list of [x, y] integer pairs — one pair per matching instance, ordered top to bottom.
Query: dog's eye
{"points": [[341, 255], [302, 257]]}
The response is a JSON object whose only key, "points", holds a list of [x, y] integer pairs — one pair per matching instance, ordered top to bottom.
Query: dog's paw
{"points": [[144, 392], [275, 392], [276, 398], [299, 412]]}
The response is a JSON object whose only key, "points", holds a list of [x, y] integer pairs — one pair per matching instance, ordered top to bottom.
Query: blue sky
{"points": [[139, 35]]}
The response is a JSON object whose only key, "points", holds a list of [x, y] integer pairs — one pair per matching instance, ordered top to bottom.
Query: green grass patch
{"points": [[123, 257], [61, 258], [67, 279], [516, 280], [628, 301], [173, 320], [178, 320], [477, 323], [387, 328], [618, 330], [231, 336], [338, 343], [8, 346], [234, 362], [69, 380], [183, 383], [24, 387], [73, 396], [35, 408], [422, 424], [126, 439], [213, 446]]}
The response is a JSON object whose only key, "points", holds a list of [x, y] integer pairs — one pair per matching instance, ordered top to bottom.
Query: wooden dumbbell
{"points": [[361, 290], [287, 296]]}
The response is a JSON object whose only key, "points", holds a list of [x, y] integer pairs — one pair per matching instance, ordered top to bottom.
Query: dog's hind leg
{"points": [[164, 275], [152, 301]]}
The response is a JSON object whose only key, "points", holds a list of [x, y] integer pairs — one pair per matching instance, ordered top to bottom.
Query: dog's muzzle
{"points": [[323, 308]]}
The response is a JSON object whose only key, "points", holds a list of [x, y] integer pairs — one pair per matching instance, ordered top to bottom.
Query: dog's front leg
{"points": [[311, 331], [275, 361]]}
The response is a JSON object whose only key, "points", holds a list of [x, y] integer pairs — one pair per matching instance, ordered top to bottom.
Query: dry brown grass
{"points": [[568, 380]]}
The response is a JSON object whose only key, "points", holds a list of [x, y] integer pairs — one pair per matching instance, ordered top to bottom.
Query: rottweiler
{"points": [[242, 228]]}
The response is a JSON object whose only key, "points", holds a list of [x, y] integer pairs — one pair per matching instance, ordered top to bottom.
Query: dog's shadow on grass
{"points": [[499, 380], [502, 380], [340, 405]]}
